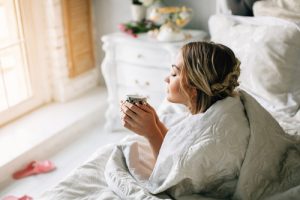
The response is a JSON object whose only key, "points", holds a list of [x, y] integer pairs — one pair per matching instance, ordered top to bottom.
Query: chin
{"points": [[170, 99]]}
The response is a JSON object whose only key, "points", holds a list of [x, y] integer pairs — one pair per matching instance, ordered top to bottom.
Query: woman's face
{"points": [[174, 92]]}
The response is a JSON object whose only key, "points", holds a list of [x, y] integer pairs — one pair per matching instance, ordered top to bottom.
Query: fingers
{"points": [[135, 108], [147, 108], [128, 111], [136, 112], [131, 113], [127, 116], [126, 121]]}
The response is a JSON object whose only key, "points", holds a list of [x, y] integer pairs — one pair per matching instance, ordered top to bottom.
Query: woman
{"points": [[203, 74]]}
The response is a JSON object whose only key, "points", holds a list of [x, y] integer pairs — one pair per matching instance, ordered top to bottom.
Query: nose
{"points": [[167, 79]]}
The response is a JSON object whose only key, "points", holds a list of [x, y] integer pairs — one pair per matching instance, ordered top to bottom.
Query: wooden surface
{"points": [[78, 35]]}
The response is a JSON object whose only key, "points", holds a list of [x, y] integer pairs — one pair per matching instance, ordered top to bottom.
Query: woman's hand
{"points": [[140, 119]]}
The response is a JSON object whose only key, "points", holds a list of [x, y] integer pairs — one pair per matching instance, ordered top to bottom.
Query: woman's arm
{"points": [[142, 120], [155, 142]]}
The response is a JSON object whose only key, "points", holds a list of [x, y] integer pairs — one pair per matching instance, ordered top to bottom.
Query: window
{"points": [[20, 74]]}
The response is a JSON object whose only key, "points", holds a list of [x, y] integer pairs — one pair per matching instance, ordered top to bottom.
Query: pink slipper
{"points": [[34, 167], [25, 197]]}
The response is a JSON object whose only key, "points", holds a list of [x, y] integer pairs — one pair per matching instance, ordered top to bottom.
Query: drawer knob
{"points": [[139, 56], [136, 81], [147, 83]]}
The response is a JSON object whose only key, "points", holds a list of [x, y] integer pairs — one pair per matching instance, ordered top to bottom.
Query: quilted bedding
{"points": [[241, 154]]}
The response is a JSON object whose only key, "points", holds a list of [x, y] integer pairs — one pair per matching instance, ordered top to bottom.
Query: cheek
{"points": [[174, 87], [175, 92]]}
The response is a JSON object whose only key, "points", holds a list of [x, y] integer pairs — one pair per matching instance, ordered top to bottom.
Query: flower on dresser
{"points": [[133, 28], [125, 29]]}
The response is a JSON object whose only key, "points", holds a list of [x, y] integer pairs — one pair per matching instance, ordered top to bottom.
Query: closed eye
{"points": [[174, 70]]}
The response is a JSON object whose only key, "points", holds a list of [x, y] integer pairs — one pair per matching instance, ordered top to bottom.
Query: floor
{"points": [[65, 161]]}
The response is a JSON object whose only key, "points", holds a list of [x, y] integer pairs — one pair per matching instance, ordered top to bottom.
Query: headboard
{"points": [[240, 7]]}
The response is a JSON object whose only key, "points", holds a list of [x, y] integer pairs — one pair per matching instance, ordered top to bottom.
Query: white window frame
{"points": [[32, 17]]}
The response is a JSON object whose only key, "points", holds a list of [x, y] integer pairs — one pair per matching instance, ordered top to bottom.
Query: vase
{"points": [[153, 6], [138, 12], [154, 16]]}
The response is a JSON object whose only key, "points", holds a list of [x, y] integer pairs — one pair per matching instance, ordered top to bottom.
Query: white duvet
{"points": [[234, 150]]}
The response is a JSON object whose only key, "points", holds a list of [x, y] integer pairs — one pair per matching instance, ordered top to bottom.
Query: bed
{"points": [[268, 47]]}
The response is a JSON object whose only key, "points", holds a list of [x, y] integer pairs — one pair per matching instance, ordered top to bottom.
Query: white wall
{"points": [[109, 13]]}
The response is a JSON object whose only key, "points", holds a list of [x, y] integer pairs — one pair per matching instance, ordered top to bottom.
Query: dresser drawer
{"points": [[143, 56], [145, 78], [153, 98]]}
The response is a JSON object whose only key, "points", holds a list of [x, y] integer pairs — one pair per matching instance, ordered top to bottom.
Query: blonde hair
{"points": [[212, 69]]}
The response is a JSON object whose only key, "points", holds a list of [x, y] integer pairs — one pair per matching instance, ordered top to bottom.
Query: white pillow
{"points": [[286, 9], [269, 51]]}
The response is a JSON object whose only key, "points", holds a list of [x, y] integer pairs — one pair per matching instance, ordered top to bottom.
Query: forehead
{"points": [[178, 59]]}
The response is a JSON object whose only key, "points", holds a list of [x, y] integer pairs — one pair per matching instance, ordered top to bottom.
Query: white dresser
{"points": [[137, 66]]}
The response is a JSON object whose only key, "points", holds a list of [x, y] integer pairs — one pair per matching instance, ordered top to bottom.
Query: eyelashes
{"points": [[174, 70], [173, 73]]}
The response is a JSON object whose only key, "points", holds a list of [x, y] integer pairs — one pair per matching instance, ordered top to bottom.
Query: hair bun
{"points": [[229, 83]]}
